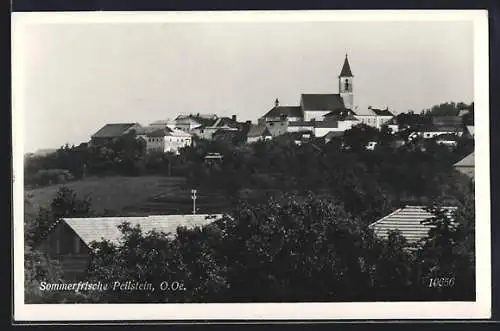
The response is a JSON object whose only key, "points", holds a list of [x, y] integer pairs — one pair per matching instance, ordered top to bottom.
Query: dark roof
{"points": [[346, 69], [322, 102], [288, 111], [382, 112], [204, 121], [113, 130], [258, 130], [407, 220]]}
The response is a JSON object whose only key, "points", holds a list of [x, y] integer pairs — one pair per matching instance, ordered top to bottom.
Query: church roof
{"points": [[346, 69], [322, 102], [288, 111]]}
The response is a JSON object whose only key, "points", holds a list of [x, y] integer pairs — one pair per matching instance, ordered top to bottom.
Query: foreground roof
{"points": [[322, 102], [113, 130], [467, 161], [407, 220], [99, 228]]}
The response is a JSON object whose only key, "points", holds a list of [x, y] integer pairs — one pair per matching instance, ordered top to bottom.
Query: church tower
{"points": [[345, 84]]}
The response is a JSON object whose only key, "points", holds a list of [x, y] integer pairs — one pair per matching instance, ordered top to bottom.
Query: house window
{"points": [[346, 84]]}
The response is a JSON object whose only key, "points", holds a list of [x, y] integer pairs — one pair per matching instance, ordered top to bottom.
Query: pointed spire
{"points": [[346, 69], [276, 102]]}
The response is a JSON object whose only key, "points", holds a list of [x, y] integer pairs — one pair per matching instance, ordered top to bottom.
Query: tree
{"points": [[359, 135]]}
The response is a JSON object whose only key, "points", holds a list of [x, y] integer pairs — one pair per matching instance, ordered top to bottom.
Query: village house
{"points": [[375, 117], [211, 126], [110, 132], [258, 132], [175, 140], [466, 165], [408, 221], [69, 240]]}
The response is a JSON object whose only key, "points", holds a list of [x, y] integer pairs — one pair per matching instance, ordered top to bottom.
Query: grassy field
{"points": [[129, 196]]}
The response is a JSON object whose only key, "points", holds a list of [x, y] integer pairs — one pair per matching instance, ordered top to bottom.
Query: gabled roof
{"points": [[346, 69], [322, 102], [287, 111], [113, 130], [258, 130], [467, 161], [407, 220], [98, 228]]}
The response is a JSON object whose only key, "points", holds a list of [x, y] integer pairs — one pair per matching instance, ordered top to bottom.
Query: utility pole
{"points": [[193, 196]]}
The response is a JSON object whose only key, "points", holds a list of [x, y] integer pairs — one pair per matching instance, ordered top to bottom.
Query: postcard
{"points": [[263, 165]]}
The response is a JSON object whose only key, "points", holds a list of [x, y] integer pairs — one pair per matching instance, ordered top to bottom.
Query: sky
{"points": [[76, 77]]}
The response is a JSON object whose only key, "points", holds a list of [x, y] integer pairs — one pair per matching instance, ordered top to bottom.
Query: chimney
{"points": [[276, 103], [233, 118]]}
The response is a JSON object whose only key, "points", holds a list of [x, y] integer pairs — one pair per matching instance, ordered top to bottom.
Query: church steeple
{"points": [[346, 69], [345, 84]]}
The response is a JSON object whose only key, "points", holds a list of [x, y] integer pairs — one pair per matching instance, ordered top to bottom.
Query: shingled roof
{"points": [[322, 102], [113, 130], [407, 220], [99, 228]]}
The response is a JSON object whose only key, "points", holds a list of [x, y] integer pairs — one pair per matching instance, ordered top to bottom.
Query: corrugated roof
{"points": [[346, 69], [322, 102], [288, 111], [113, 130], [467, 161], [408, 220], [99, 228]]}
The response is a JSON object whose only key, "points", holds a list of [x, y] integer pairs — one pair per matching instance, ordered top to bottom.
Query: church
{"points": [[323, 113]]}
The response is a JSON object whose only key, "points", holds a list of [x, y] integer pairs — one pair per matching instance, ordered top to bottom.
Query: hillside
{"points": [[128, 196]]}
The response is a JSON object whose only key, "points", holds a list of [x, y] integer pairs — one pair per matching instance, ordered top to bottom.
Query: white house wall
{"points": [[315, 114]]}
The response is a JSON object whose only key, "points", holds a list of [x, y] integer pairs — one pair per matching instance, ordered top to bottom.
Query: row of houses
{"points": [[318, 115], [69, 241]]}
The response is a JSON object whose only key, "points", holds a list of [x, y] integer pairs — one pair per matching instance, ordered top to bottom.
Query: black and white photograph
{"points": [[251, 165]]}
